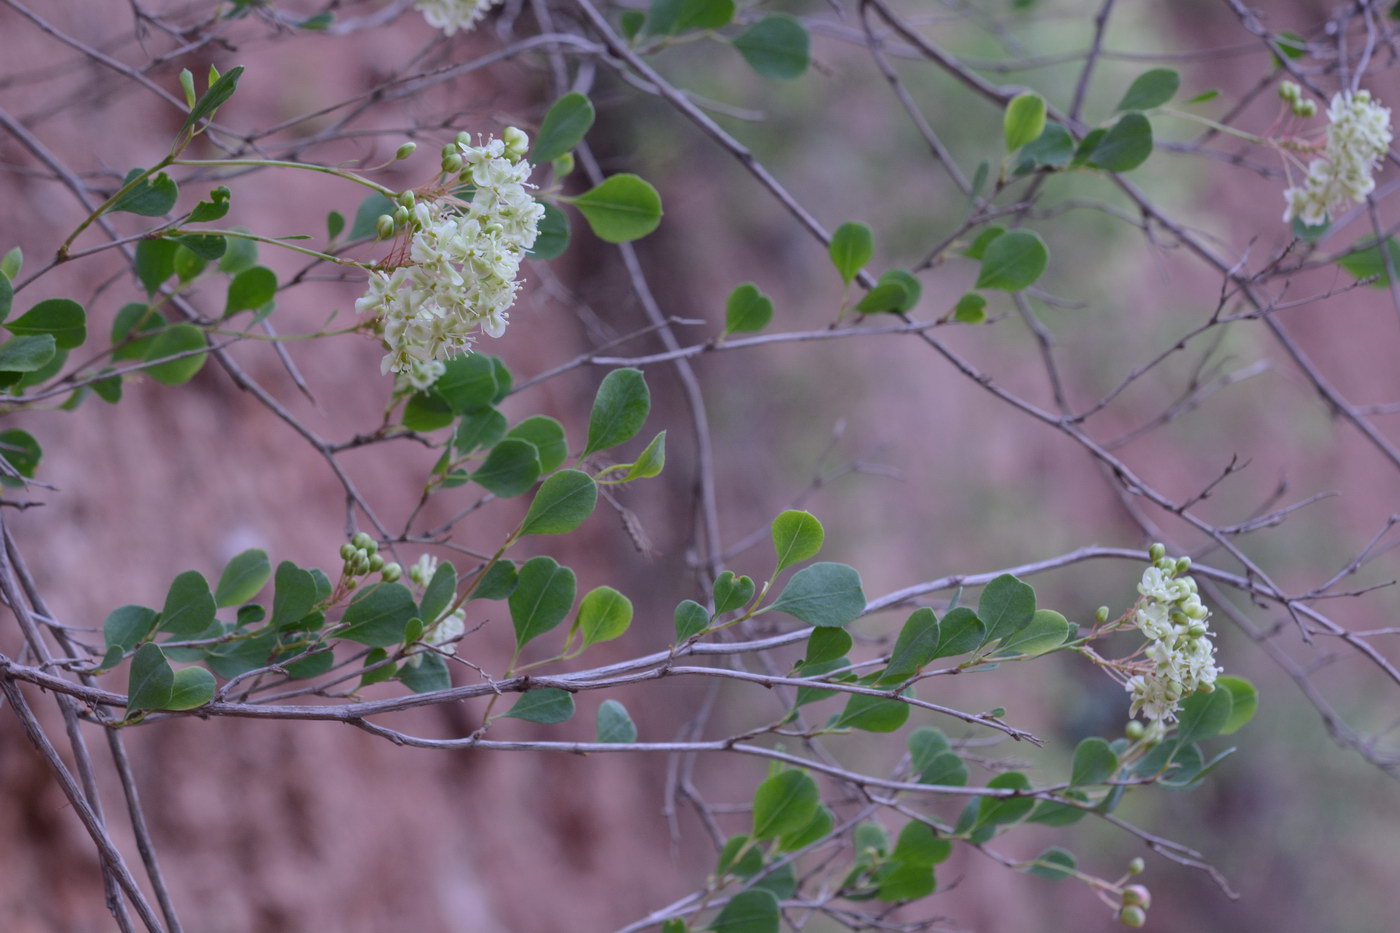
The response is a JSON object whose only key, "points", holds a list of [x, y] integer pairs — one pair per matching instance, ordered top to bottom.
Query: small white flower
{"points": [[452, 15], [1357, 141], [421, 572], [1180, 658]]}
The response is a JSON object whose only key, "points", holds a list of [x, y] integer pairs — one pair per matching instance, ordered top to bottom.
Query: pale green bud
{"points": [[187, 85], [1289, 91], [1305, 108], [464, 140], [517, 140], [404, 151], [451, 164], [406, 199], [401, 217], [384, 226], [361, 540], [347, 551], [1157, 552], [361, 557], [376, 563], [1183, 564], [361, 566], [391, 572], [351, 583], [1101, 614], [1196, 630], [1205, 688], [1134, 730], [1137, 866], [1136, 895], [1132, 916]]}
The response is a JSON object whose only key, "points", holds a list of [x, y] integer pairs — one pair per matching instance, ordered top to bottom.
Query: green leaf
{"points": [[703, 14], [320, 21], [632, 22], [1291, 44], [777, 47], [1150, 89], [219, 91], [1204, 96], [1024, 120], [563, 128], [1125, 146], [1053, 148], [153, 197], [214, 208], [621, 209], [368, 213], [335, 224], [553, 237], [203, 247], [851, 247], [978, 248], [240, 254], [1013, 261], [1366, 262], [11, 263], [187, 263], [250, 290], [913, 290], [7, 296], [888, 296], [970, 309], [747, 310], [64, 319], [179, 338], [26, 354], [42, 375], [619, 409], [425, 412], [478, 429], [548, 437], [22, 452], [650, 462], [510, 469], [562, 503], [797, 536], [242, 578], [500, 581], [440, 592], [731, 592], [823, 594], [294, 595], [543, 596], [189, 606], [1007, 606], [604, 614], [379, 616], [691, 619], [127, 626], [1047, 630], [827, 644], [916, 646], [239, 657], [313, 665], [379, 674], [430, 674], [150, 681], [192, 687], [1245, 700], [546, 706], [872, 714], [1203, 715], [614, 724], [924, 745], [1094, 762], [946, 769], [784, 803], [997, 811], [1055, 813], [816, 829], [871, 837], [918, 845], [1054, 863], [901, 881]]}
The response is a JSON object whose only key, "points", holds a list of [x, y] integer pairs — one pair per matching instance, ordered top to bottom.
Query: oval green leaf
{"points": [[777, 47], [1151, 89], [1024, 120], [564, 126], [621, 209], [851, 247], [1013, 261], [747, 310], [63, 318], [175, 340], [619, 409], [562, 503], [797, 536], [242, 578], [823, 594], [543, 596], [603, 615], [150, 680], [546, 706], [614, 723], [783, 804]]}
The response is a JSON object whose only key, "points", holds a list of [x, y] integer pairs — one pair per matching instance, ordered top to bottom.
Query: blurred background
{"points": [[916, 471]]}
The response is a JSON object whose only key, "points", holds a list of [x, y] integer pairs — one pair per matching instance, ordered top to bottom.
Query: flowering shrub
{"points": [[827, 830]]}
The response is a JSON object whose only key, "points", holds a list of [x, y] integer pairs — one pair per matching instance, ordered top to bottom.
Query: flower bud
{"points": [[187, 85], [1289, 91], [1305, 108], [464, 140], [516, 140], [404, 151], [451, 164], [406, 199], [401, 217], [384, 226], [361, 540], [347, 551], [1157, 552], [361, 557], [376, 563], [1183, 564], [361, 565], [1166, 565], [391, 572], [351, 583], [1101, 614], [1196, 630], [1205, 688], [1134, 730], [1137, 866], [1136, 895], [1132, 917]]}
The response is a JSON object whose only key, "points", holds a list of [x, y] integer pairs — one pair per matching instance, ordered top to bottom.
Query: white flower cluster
{"points": [[452, 15], [1356, 142], [463, 260], [444, 632], [1179, 648]]}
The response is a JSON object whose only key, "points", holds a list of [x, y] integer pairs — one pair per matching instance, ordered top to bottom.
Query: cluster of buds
{"points": [[452, 15], [1292, 95], [1357, 140], [459, 272], [361, 558], [1180, 654], [1132, 911]]}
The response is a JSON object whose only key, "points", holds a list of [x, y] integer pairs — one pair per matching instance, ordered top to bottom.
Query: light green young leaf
{"points": [[1151, 89], [219, 91], [1024, 120], [564, 126], [621, 209], [852, 245], [1013, 261], [12, 263], [250, 290], [970, 309], [747, 310], [26, 354], [651, 461], [797, 536], [242, 578], [731, 592], [603, 614], [691, 619], [191, 687], [1245, 700], [614, 723], [784, 803]]}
